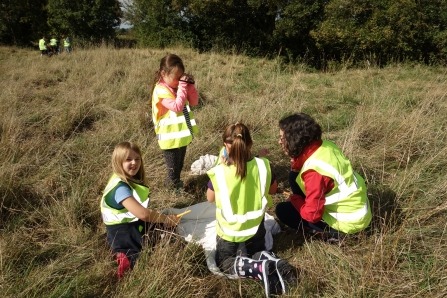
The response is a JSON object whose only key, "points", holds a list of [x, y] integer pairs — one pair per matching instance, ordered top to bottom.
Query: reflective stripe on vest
{"points": [[177, 118], [173, 119], [344, 191], [346, 207], [227, 211], [356, 215], [113, 216]]}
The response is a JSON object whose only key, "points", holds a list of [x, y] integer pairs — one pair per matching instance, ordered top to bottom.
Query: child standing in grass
{"points": [[67, 44], [43, 46], [174, 91], [241, 186], [328, 196], [124, 206]]}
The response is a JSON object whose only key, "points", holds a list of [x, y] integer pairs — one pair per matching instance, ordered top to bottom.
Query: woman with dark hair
{"points": [[327, 197]]}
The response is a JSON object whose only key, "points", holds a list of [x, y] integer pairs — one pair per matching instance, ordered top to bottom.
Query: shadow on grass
{"points": [[384, 207]]}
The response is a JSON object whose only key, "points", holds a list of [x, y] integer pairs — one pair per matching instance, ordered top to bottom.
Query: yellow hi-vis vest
{"points": [[53, 42], [67, 42], [42, 45], [171, 128], [241, 204], [347, 207], [112, 216]]}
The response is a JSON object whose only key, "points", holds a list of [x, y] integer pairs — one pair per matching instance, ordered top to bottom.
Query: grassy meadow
{"points": [[62, 116]]}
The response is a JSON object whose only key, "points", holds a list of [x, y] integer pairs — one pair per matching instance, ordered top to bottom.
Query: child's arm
{"points": [[193, 95], [177, 104], [273, 187], [210, 195], [149, 215]]}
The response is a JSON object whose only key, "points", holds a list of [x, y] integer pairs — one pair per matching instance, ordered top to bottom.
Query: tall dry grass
{"points": [[62, 117]]}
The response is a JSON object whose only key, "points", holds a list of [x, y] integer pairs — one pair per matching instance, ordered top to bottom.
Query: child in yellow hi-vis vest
{"points": [[173, 94], [241, 186], [124, 207]]}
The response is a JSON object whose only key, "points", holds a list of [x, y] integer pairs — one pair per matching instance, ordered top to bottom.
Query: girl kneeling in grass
{"points": [[241, 186], [124, 207]]}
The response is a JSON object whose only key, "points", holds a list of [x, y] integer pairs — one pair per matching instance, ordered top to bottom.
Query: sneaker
{"points": [[123, 264], [284, 271]]}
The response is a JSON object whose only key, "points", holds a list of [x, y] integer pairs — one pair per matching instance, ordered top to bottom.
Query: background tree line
{"points": [[24, 22], [312, 31]]}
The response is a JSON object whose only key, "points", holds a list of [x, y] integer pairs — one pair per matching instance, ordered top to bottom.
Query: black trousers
{"points": [[175, 159], [288, 215], [129, 238], [227, 251]]}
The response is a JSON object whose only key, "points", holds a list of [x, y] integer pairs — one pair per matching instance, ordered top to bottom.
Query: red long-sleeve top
{"points": [[316, 186]]}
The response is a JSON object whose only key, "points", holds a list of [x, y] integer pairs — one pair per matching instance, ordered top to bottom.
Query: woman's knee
{"points": [[283, 208]]}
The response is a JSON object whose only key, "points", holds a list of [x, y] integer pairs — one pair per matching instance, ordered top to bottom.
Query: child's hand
{"points": [[187, 78], [263, 152], [171, 221]]}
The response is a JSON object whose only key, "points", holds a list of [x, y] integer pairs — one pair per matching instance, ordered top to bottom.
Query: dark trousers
{"points": [[174, 162], [288, 215], [129, 238], [227, 251]]}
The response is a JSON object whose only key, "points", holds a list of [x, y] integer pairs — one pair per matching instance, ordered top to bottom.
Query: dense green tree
{"points": [[92, 20], [22, 22], [294, 22], [157, 23], [247, 25], [379, 30], [435, 41]]}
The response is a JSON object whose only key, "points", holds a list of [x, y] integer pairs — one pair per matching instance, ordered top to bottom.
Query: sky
{"points": [[125, 25]]}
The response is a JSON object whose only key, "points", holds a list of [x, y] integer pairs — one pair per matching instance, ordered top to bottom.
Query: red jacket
{"points": [[316, 186]]}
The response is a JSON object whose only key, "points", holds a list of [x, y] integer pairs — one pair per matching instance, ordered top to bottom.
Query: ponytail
{"points": [[239, 137]]}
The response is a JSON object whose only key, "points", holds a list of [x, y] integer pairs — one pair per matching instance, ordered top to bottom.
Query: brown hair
{"points": [[168, 63], [239, 137], [119, 155]]}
